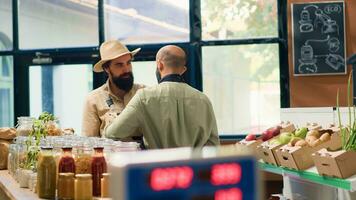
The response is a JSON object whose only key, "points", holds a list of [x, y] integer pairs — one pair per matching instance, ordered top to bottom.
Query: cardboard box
{"points": [[313, 126], [287, 127], [252, 145], [267, 152], [300, 158], [340, 164]]}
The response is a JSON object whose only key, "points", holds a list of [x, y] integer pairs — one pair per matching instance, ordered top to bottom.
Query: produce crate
{"points": [[252, 144], [267, 152], [300, 158], [340, 164]]}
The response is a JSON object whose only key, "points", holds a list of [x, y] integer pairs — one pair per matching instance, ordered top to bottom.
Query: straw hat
{"points": [[110, 50]]}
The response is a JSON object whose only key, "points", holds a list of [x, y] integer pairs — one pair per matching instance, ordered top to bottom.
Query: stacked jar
{"points": [[24, 126], [82, 158], [98, 166], [46, 174]]}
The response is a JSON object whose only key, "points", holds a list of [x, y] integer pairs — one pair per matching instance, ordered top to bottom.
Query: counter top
{"points": [[12, 189]]}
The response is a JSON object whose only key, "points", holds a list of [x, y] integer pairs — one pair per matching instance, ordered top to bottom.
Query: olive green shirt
{"points": [[170, 115]]}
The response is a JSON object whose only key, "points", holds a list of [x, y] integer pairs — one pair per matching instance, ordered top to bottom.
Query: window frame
{"points": [[193, 49]]}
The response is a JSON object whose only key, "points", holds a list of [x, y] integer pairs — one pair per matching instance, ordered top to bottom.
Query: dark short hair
{"points": [[106, 64]]}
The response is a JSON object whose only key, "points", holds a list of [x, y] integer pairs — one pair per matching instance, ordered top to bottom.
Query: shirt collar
{"points": [[172, 78], [107, 86]]}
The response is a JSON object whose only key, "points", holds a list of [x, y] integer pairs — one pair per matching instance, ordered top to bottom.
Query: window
{"points": [[238, 19], [147, 21], [56, 24], [6, 25], [144, 72], [242, 81], [60, 90], [6, 91]]}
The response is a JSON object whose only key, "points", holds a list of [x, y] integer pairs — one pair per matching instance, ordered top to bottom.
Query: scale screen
{"points": [[209, 179]]}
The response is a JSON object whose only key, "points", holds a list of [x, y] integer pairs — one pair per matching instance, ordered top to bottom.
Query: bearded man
{"points": [[103, 104]]}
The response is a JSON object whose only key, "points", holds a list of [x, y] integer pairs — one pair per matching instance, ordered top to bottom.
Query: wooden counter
{"points": [[10, 189]]}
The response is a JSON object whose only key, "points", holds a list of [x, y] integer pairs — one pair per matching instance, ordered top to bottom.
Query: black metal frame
{"points": [[23, 58]]}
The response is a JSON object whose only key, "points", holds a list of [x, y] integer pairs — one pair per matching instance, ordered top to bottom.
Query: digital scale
{"points": [[183, 174]]}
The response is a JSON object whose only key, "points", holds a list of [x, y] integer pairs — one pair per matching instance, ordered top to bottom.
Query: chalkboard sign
{"points": [[319, 38]]}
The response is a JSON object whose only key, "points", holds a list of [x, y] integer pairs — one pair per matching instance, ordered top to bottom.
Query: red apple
{"points": [[275, 130], [250, 137]]}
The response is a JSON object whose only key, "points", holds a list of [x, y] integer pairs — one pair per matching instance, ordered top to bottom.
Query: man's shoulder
{"points": [[137, 86], [98, 91]]}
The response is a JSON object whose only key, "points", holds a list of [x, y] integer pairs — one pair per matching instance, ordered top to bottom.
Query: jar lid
{"points": [[46, 147], [67, 148], [106, 174], [67, 175], [83, 176]]}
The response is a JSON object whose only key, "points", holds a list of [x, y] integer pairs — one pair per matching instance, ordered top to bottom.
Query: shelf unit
{"points": [[312, 175]]}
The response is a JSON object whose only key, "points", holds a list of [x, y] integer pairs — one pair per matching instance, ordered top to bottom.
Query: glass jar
{"points": [[24, 126], [53, 128], [126, 146], [20, 155], [11, 159], [82, 159], [66, 163], [98, 167], [46, 174], [24, 178], [32, 181], [105, 185], [65, 186], [83, 187]]}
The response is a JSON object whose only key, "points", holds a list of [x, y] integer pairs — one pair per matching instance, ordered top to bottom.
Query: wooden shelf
{"points": [[312, 175]]}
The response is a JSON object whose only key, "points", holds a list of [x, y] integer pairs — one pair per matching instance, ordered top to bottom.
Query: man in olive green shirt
{"points": [[170, 114]]}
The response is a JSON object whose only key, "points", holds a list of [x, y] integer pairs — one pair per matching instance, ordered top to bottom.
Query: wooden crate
{"points": [[267, 152], [300, 158], [340, 164]]}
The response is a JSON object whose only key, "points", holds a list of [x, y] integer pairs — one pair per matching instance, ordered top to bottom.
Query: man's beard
{"points": [[122, 82]]}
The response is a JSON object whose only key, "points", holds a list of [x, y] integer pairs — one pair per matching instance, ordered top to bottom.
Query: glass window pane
{"points": [[238, 19], [147, 21], [57, 24], [5, 25], [144, 72], [242, 82], [60, 89], [6, 91]]}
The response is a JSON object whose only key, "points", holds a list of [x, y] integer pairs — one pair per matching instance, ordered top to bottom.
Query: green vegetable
{"points": [[348, 133]]}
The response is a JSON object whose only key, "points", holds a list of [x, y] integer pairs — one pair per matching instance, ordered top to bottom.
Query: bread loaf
{"points": [[4, 151]]}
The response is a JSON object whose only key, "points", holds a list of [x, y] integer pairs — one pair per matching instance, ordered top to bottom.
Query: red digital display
{"points": [[225, 174], [171, 178], [228, 194]]}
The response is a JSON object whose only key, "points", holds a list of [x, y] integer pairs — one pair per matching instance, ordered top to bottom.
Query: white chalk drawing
{"points": [[329, 9], [314, 18], [322, 20], [305, 22], [326, 23], [334, 44], [308, 59], [335, 61]]}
